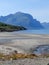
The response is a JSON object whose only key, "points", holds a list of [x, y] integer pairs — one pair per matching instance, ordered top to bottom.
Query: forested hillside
{"points": [[10, 28]]}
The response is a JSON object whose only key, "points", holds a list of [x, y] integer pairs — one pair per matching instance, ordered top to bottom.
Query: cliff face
{"points": [[21, 19]]}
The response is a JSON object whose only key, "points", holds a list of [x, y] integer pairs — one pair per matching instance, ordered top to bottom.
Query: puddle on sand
{"points": [[41, 49]]}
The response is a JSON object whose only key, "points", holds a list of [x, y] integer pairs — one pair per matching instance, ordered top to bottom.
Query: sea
{"points": [[41, 31]]}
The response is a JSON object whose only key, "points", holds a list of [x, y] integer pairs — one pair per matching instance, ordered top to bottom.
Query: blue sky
{"points": [[39, 9]]}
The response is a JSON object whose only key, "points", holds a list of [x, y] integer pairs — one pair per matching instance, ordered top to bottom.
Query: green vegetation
{"points": [[10, 28]]}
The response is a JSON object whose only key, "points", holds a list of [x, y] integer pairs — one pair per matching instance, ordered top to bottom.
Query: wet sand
{"points": [[23, 41]]}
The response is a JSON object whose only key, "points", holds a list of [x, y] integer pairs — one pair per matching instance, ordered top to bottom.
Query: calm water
{"points": [[42, 31]]}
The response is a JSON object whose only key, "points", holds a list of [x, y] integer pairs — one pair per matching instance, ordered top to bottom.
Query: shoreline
{"points": [[23, 43]]}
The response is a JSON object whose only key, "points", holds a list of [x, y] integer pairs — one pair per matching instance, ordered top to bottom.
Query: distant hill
{"points": [[21, 19], [46, 25], [10, 28]]}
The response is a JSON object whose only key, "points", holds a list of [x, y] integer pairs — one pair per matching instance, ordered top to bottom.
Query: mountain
{"points": [[21, 19], [46, 25], [10, 28]]}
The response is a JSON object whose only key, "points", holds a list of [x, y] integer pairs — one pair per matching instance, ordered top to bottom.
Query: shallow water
{"points": [[42, 31], [41, 49]]}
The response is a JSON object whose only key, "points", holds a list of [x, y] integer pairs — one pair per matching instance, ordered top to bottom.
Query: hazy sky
{"points": [[39, 9]]}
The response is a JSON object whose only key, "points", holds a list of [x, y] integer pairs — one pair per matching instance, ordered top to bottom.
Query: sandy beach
{"points": [[23, 42], [37, 61]]}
